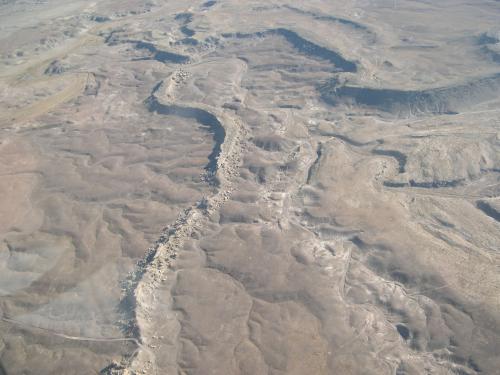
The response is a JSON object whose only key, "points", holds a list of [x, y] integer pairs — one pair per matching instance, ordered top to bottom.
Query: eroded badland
{"points": [[249, 187]]}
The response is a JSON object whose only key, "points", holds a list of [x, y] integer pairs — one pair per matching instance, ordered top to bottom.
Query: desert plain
{"points": [[250, 187]]}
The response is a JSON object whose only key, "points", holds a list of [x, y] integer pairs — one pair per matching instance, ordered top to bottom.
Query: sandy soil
{"points": [[249, 187]]}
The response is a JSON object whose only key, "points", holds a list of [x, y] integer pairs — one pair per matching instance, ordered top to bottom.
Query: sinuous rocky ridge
{"points": [[252, 187]]}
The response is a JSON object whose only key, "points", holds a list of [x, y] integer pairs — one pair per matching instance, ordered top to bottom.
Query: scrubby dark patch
{"points": [[209, 4], [184, 17], [100, 19], [187, 31], [112, 37], [487, 38], [188, 42], [145, 45], [303, 46], [414, 47], [491, 54], [161, 56], [166, 57], [387, 64], [291, 67], [54, 68], [92, 84], [444, 100], [289, 106], [202, 117], [271, 142], [399, 156], [289, 166], [262, 171], [394, 184], [425, 184], [436, 184], [488, 210], [237, 212], [444, 223], [328, 232], [358, 242], [362, 245], [400, 277], [403, 331], [473, 365], [113, 368], [401, 370]]}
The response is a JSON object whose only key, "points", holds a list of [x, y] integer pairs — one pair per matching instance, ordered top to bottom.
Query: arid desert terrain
{"points": [[250, 187]]}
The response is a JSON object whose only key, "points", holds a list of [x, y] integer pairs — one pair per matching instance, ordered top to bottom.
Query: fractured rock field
{"points": [[250, 187]]}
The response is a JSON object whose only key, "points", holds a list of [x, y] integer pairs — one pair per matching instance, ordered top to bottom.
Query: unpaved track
{"points": [[75, 86]]}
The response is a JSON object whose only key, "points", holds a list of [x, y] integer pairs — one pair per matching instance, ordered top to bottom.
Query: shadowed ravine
{"points": [[303, 46], [160, 55], [442, 100], [202, 117]]}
